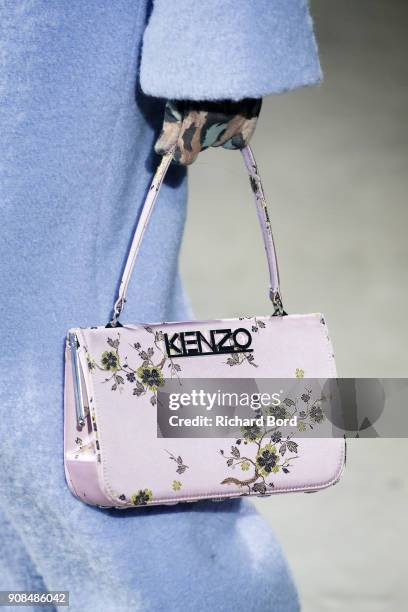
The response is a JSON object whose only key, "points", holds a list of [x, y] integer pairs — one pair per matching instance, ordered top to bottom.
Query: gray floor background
{"points": [[334, 164]]}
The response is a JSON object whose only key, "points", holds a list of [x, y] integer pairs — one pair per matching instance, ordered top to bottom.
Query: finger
{"points": [[232, 123], [171, 128], [233, 128], [239, 132], [238, 138], [189, 140]]}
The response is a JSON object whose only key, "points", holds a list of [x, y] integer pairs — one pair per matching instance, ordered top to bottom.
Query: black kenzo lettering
{"points": [[220, 341]]}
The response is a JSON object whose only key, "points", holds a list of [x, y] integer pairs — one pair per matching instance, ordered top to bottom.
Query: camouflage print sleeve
{"points": [[195, 126]]}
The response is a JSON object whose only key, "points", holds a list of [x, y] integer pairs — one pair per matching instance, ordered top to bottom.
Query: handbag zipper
{"points": [[79, 406]]}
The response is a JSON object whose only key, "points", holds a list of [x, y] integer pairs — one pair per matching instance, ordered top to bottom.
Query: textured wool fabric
{"points": [[235, 49], [76, 159]]}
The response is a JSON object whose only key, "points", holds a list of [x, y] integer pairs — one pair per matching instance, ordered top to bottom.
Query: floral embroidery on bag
{"points": [[257, 325], [239, 358], [90, 362], [146, 377], [82, 447], [269, 451], [181, 467], [176, 486], [141, 498]]}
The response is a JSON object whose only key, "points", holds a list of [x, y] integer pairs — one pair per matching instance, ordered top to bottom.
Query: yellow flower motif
{"points": [[110, 361], [91, 362], [300, 373], [151, 376], [301, 426], [266, 460], [245, 465], [275, 469], [176, 486], [142, 497]]}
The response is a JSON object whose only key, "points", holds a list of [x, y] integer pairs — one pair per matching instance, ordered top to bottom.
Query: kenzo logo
{"points": [[218, 341]]}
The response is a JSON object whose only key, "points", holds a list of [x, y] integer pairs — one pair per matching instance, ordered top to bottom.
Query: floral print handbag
{"points": [[114, 375]]}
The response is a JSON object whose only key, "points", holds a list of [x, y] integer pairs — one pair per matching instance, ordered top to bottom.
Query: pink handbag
{"points": [[113, 456]]}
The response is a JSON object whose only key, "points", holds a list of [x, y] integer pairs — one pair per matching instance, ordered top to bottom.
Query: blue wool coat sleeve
{"points": [[207, 49]]}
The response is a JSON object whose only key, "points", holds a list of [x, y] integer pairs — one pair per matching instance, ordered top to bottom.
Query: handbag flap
{"points": [[123, 369]]}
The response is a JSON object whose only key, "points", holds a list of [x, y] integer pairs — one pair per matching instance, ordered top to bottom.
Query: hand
{"points": [[195, 126]]}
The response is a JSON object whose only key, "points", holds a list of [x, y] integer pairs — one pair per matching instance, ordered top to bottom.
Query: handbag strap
{"points": [[274, 291]]}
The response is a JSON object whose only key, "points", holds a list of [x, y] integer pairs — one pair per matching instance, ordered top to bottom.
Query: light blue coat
{"points": [[75, 159]]}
